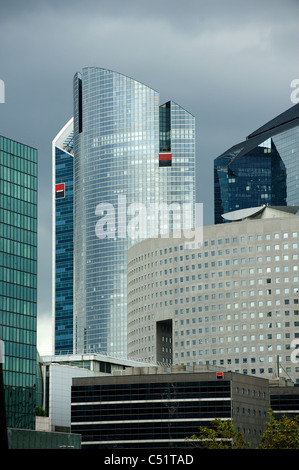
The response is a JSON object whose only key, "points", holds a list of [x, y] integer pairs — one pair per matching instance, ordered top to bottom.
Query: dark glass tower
{"points": [[126, 148], [62, 160], [264, 169], [18, 278]]}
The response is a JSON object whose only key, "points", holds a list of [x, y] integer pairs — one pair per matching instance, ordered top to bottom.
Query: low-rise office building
{"points": [[233, 302], [57, 373], [284, 398], [156, 407]]}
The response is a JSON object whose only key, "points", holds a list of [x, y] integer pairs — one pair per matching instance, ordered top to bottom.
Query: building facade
{"points": [[129, 152], [261, 170], [62, 239], [18, 279], [232, 303], [57, 374], [284, 400], [156, 407]]}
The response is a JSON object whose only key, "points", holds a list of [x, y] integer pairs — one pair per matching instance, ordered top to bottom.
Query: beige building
{"points": [[234, 302]]}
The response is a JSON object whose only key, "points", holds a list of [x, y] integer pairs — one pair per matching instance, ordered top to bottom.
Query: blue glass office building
{"points": [[128, 149], [264, 169], [62, 251], [18, 279]]}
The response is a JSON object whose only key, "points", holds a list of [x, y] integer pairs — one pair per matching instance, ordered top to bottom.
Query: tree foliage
{"points": [[39, 411], [279, 433], [282, 433], [222, 435]]}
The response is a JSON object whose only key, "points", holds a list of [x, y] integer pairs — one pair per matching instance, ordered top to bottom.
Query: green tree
{"points": [[39, 411], [282, 433], [222, 435]]}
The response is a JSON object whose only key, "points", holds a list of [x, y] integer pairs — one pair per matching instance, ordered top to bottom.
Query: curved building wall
{"points": [[116, 164], [232, 303]]}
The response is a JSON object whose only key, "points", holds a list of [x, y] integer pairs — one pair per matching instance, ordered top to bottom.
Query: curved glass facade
{"points": [[119, 161], [264, 169]]}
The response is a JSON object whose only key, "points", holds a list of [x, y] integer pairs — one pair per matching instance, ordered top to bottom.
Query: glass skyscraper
{"points": [[129, 152], [264, 169], [62, 250], [18, 279]]}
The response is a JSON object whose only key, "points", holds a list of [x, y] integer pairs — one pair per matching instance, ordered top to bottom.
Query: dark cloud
{"points": [[230, 63]]}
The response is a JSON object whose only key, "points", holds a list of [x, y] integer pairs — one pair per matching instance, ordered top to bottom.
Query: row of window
{"points": [[16, 149], [15, 176], [18, 192], [18, 206], [18, 220], [16, 234], [241, 238], [18, 261], [221, 263], [14, 276], [213, 286], [17, 291], [204, 308], [17, 313], [17, 335], [13, 379], [194, 389]]}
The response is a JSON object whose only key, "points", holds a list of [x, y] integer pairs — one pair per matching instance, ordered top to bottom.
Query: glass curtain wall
{"points": [[264, 169], [117, 176], [63, 277], [18, 279]]}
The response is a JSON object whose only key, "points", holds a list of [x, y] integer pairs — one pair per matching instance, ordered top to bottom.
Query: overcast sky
{"points": [[228, 62]]}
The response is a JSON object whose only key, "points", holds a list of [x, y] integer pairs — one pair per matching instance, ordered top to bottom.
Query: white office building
{"points": [[233, 302], [57, 374]]}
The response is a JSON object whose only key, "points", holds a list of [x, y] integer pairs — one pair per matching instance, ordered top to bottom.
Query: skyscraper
{"points": [[129, 152], [263, 169], [62, 250], [18, 279]]}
